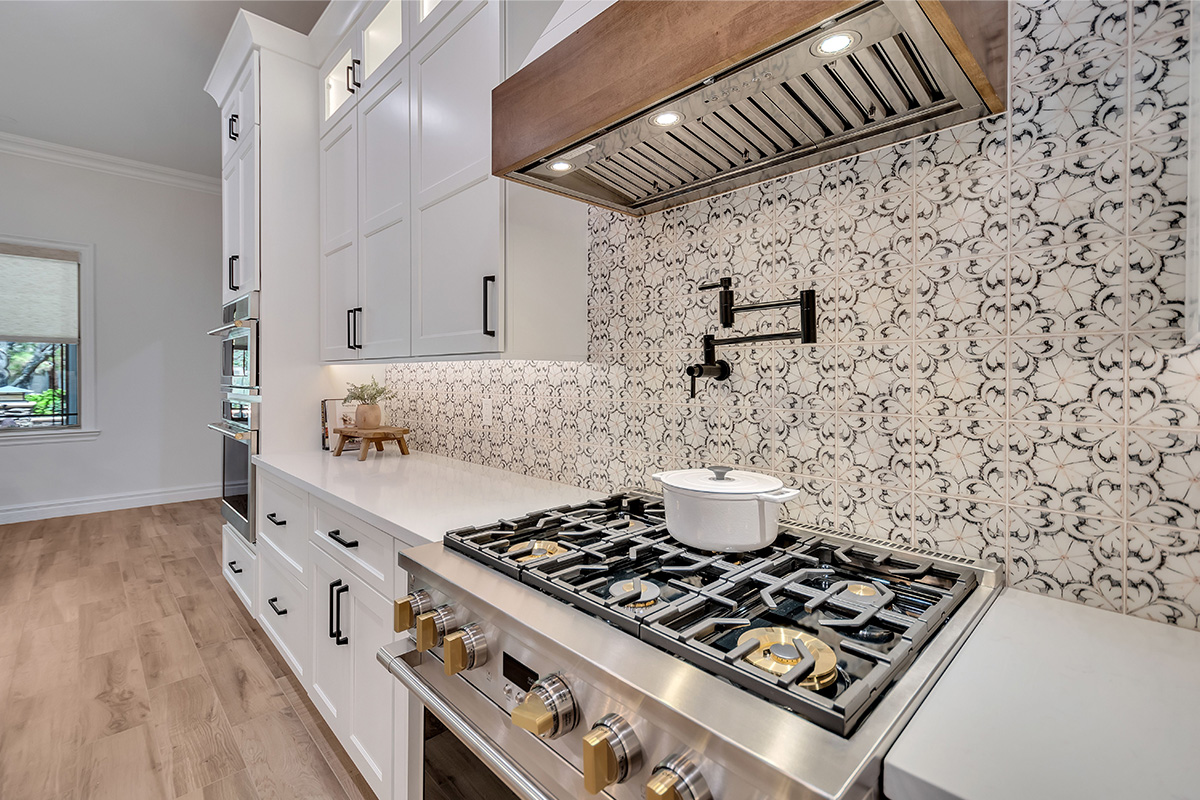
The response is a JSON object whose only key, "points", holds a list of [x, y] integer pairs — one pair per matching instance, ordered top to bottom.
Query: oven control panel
{"points": [[542, 695]]}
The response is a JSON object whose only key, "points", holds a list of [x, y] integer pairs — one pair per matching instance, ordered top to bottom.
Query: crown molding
{"points": [[111, 165]]}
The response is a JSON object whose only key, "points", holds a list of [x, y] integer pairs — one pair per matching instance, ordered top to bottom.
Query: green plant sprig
{"points": [[368, 393]]}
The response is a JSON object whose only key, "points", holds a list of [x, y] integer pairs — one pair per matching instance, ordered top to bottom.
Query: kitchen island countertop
{"points": [[417, 498], [1052, 699]]}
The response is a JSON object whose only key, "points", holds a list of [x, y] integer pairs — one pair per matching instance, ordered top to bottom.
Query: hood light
{"points": [[835, 43], [665, 119], [561, 166]]}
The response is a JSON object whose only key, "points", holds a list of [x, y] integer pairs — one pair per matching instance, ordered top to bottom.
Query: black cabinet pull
{"points": [[350, 82], [233, 133], [233, 260], [349, 325], [356, 326], [487, 330], [271, 517], [335, 534], [233, 568], [271, 601], [333, 632], [340, 638]]}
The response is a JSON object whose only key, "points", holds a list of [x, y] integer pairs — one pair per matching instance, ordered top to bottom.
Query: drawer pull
{"points": [[271, 517], [335, 534], [233, 568], [271, 601]]}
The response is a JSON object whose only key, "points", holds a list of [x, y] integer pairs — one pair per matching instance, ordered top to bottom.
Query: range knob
{"points": [[409, 607], [432, 626], [466, 648], [548, 709], [611, 753], [677, 778]]}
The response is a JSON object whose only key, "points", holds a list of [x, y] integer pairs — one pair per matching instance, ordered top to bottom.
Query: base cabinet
{"points": [[240, 567], [283, 609], [350, 622]]}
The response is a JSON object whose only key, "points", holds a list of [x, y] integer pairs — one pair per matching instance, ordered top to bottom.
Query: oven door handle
{"points": [[241, 324], [230, 431], [400, 659]]}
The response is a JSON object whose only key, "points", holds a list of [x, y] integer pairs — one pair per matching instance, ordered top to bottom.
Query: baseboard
{"points": [[108, 502]]}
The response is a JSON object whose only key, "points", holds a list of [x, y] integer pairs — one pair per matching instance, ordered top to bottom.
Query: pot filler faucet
{"points": [[718, 368]]}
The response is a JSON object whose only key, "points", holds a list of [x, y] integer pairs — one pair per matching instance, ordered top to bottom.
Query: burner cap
{"points": [[541, 549], [862, 589], [650, 593], [777, 655]]}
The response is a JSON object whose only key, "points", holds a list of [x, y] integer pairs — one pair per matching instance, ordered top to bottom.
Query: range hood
{"points": [[657, 103]]}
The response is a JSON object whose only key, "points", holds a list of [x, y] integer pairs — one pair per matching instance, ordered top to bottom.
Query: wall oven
{"points": [[239, 344], [239, 431]]}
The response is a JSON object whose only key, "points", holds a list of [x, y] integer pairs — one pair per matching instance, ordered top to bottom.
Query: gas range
{"points": [[784, 672]]}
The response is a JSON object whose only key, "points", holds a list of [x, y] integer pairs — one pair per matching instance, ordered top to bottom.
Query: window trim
{"points": [[89, 426]]}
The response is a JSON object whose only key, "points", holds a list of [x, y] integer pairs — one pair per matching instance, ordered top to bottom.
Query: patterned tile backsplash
{"points": [[999, 369]]}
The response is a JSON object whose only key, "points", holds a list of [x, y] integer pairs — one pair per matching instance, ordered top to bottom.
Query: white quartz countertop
{"points": [[417, 498], [1051, 699]]}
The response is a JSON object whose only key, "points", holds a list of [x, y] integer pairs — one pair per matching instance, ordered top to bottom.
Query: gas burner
{"points": [[531, 551], [862, 589], [650, 593], [778, 654]]}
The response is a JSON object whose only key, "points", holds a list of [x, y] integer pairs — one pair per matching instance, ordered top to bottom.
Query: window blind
{"points": [[39, 296]]}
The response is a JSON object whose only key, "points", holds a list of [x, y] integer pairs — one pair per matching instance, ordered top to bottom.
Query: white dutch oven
{"points": [[723, 509]]}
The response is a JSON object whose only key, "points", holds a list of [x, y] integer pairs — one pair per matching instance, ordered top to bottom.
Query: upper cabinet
{"points": [[239, 184], [423, 253]]}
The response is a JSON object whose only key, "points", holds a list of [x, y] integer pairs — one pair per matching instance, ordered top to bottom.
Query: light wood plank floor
{"points": [[130, 670]]}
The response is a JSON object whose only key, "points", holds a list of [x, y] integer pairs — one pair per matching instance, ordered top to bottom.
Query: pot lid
{"points": [[719, 480]]}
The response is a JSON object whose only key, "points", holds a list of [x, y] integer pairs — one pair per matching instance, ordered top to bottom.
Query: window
{"points": [[45, 349]]}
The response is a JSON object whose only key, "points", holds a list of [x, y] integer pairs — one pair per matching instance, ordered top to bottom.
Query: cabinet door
{"points": [[341, 75], [457, 205], [231, 228], [339, 247], [246, 271], [384, 285], [332, 664], [371, 732]]}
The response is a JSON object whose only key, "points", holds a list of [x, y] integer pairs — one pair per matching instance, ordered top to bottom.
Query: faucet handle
{"points": [[721, 283]]}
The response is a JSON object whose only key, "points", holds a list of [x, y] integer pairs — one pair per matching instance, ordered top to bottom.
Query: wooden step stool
{"points": [[369, 435]]}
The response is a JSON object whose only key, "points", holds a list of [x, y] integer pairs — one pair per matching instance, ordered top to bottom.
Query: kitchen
{"points": [[764, 386]]}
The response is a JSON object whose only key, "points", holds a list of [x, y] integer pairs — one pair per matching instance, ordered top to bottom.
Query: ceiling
{"points": [[124, 77]]}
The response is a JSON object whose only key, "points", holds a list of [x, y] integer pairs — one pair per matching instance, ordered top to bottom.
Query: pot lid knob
{"points": [[720, 472]]}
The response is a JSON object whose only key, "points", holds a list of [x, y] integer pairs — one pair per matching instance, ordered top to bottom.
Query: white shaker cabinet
{"points": [[365, 226], [239, 228], [339, 241], [457, 261], [351, 621]]}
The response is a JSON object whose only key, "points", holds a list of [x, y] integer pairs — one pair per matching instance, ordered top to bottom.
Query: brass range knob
{"points": [[409, 607], [433, 626], [466, 648], [548, 709], [611, 753], [677, 778]]}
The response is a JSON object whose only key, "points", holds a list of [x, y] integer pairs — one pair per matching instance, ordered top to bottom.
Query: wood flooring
{"points": [[130, 670]]}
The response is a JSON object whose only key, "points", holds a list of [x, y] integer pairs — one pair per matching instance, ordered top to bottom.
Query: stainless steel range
{"points": [[581, 649]]}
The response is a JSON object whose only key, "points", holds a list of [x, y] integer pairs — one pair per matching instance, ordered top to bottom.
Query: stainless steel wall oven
{"points": [[240, 405]]}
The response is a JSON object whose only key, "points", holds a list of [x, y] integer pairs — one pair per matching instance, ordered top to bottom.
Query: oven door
{"points": [[239, 354], [239, 410], [237, 477], [465, 745]]}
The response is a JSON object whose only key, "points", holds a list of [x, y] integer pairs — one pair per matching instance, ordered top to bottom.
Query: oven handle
{"points": [[248, 324], [230, 431], [400, 658]]}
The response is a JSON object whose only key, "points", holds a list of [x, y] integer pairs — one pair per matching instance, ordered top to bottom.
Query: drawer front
{"points": [[283, 520], [363, 549], [240, 566], [283, 610]]}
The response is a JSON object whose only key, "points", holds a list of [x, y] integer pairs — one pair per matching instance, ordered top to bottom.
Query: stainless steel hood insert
{"points": [[782, 111]]}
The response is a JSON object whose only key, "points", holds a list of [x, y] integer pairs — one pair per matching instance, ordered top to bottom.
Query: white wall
{"points": [[158, 253]]}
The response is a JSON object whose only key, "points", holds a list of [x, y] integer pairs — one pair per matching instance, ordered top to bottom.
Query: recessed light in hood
{"points": [[835, 44], [789, 84], [561, 166]]}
